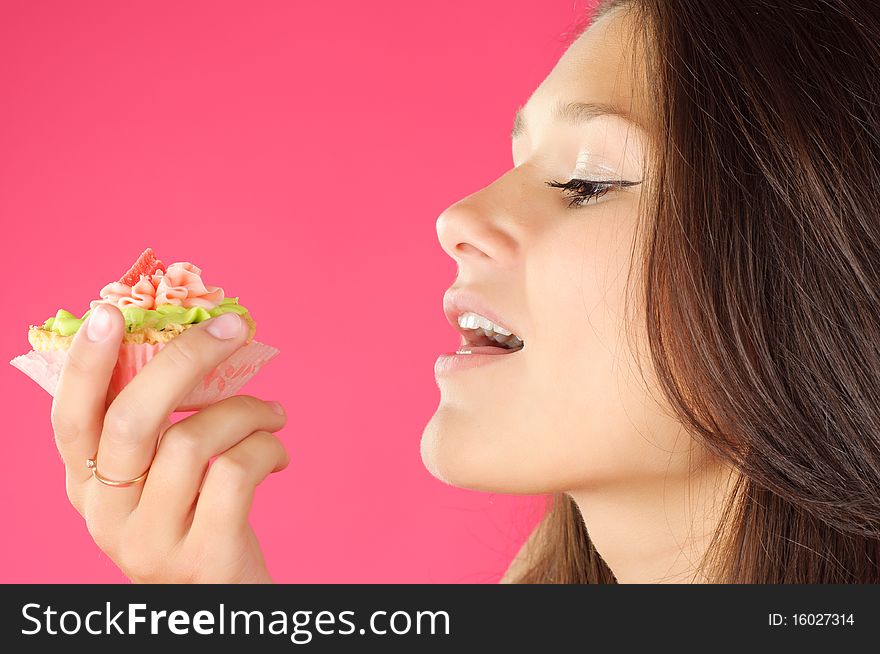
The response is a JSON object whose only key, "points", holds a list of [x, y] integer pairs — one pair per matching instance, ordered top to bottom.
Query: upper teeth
{"points": [[470, 320], [482, 325]]}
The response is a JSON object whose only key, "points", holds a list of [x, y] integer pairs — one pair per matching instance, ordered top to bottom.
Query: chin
{"points": [[453, 454], [464, 456]]}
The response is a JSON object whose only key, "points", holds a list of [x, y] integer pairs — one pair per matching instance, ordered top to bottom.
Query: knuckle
{"points": [[181, 354], [76, 362], [247, 403], [119, 427], [67, 429], [264, 439], [183, 440], [262, 443], [270, 444], [267, 445], [238, 464], [236, 467], [231, 468]]}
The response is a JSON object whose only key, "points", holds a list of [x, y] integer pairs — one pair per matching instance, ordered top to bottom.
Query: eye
{"points": [[581, 191]]}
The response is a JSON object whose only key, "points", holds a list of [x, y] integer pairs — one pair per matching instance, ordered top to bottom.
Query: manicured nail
{"points": [[100, 322], [225, 326], [277, 408]]}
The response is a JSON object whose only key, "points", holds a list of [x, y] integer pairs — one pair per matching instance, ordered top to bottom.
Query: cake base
{"points": [[45, 368]]}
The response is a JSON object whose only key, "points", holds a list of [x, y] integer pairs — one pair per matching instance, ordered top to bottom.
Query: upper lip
{"points": [[457, 301]]}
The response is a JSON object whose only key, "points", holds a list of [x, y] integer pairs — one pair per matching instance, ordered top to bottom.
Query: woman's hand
{"points": [[188, 521]]}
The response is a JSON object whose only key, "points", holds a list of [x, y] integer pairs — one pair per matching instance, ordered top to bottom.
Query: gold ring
{"points": [[92, 464]]}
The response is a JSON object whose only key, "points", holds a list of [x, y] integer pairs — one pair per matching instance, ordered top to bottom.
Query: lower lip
{"points": [[475, 356]]}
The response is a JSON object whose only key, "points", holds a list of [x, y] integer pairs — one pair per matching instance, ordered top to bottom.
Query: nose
{"points": [[479, 228]]}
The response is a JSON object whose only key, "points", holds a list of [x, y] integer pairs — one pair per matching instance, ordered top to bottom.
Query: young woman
{"points": [[687, 249]]}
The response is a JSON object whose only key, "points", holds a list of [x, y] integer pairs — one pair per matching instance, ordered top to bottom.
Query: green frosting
{"points": [[137, 319]]}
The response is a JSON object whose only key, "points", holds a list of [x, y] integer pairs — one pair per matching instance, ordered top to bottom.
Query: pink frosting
{"points": [[181, 285]]}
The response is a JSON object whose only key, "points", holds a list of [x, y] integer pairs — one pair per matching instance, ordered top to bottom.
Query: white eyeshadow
{"points": [[589, 165]]}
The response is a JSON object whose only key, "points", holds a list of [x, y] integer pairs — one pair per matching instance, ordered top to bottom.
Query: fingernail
{"points": [[100, 323], [225, 326], [277, 408]]}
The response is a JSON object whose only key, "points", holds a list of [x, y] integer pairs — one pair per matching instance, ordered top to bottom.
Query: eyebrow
{"points": [[577, 113]]}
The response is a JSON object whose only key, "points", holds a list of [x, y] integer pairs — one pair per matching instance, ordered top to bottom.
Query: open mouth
{"points": [[481, 336]]}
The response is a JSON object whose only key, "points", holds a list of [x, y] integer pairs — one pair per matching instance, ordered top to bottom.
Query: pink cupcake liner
{"points": [[45, 367]]}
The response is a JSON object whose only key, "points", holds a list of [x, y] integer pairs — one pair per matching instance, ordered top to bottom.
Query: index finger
{"points": [[133, 420]]}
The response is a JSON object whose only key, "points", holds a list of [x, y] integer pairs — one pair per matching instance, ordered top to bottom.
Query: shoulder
{"points": [[522, 560]]}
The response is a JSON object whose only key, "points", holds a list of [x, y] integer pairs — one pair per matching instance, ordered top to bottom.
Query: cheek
{"points": [[585, 370], [602, 419], [609, 420]]}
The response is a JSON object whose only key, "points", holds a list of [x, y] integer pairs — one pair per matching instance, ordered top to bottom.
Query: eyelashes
{"points": [[581, 191]]}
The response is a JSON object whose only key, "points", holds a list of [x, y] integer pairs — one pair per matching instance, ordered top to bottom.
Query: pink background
{"points": [[299, 153]]}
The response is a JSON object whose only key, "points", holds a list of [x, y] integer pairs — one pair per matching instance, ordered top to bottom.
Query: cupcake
{"points": [[158, 303]]}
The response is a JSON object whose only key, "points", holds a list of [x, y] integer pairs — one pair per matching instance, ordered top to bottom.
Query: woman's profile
{"points": [[669, 309]]}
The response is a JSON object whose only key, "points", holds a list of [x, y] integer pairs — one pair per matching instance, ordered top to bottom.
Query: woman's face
{"points": [[570, 410]]}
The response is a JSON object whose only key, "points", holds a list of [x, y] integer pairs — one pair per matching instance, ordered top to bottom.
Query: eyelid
{"points": [[587, 165], [598, 179]]}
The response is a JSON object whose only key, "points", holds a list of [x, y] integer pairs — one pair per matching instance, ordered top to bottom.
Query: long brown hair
{"points": [[761, 281]]}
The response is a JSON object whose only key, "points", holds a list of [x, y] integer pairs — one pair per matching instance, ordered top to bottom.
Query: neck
{"points": [[657, 531]]}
